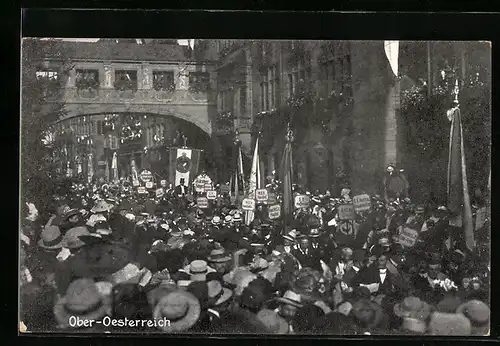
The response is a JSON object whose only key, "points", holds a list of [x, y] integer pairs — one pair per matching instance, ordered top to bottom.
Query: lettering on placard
{"points": [[211, 194], [261, 195], [302, 201], [362, 202], [248, 204], [274, 211], [346, 212]]}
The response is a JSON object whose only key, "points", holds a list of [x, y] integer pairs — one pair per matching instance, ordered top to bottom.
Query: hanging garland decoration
{"points": [[131, 129]]}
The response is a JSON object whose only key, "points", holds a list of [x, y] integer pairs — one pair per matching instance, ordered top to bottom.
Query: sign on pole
{"points": [[146, 176], [135, 183], [163, 183], [149, 185], [225, 189], [141, 190], [159, 192], [211, 194], [261, 195], [271, 198], [302, 201], [202, 202], [362, 203], [248, 204], [274, 211], [346, 212], [408, 237]]}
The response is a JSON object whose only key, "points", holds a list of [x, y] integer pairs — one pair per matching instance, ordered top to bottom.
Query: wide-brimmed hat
{"points": [[101, 206], [72, 212], [237, 217], [228, 219], [215, 220], [314, 233], [291, 235], [72, 237], [51, 238], [219, 256], [198, 270], [218, 294], [291, 298], [82, 300], [413, 307], [180, 308], [368, 313], [478, 314], [272, 321], [443, 324], [414, 325]]}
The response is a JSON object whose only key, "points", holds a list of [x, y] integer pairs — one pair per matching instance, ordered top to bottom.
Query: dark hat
{"points": [[72, 212]]}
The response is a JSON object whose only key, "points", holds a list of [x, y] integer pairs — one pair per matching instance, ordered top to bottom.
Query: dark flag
{"points": [[287, 176], [458, 193]]}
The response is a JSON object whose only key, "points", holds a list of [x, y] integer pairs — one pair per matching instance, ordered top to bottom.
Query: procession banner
{"points": [[183, 165], [114, 166], [135, 176], [254, 183], [261, 195], [302, 201], [202, 202], [361, 203], [248, 204], [274, 211], [346, 212], [408, 237]]}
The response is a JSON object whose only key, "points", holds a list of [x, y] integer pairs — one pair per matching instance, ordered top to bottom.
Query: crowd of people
{"points": [[103, 250]]}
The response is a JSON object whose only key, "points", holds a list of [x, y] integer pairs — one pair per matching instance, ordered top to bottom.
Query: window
{"points": [[87, 79], [125, 80], [163, 80], [199, 81], [243, 100], [100, 127], [113, 143]]}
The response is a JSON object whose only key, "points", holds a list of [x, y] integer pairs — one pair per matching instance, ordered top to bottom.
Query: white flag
{"points": [[392, 53], [254, 180]]}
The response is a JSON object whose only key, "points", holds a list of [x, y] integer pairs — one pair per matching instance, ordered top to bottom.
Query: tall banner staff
{"points": [[287, 169], [457, 188]]}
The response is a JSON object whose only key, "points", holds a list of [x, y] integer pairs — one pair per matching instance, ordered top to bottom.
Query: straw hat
{"points": [[101, 206], [237, 217], [215, 220], [314, 233], [72, 237], [51, 238], [219, 256], [198, 270], [217, 293], [291, 298], [82, 300], [413, 307], [180, 308], [478, 314], [275, 323], [442, 323]]}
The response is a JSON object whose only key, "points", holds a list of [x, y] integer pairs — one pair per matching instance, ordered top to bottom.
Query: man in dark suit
{"points": [[181, 189], [306, 255], [377, 278]]}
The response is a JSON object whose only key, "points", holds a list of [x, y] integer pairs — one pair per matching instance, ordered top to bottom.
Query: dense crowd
{"points": [[102, 250]]}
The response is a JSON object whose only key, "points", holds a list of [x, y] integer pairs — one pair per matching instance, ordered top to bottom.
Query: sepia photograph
{"points": [[255, 187]]}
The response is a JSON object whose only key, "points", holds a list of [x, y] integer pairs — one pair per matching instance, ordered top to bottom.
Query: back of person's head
{"points": [[171, 260], [200, 290], [130, 301], [308, 319]]}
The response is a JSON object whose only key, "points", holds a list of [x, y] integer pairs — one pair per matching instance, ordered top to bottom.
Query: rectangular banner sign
{"points": [[362, 203], [248, 204], [274, 211], [346, 212]]}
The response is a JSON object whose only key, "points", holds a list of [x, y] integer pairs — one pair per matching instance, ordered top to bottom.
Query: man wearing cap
{"points": [[395, 184]]}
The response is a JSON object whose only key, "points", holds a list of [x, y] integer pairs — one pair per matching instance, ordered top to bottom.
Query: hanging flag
{"points": [[392, 52], [184, 164], [114, 166], [79, 168], [240, 169], [90, 170], [69, 171], [106, 171], [135, 175], [287, 176], [254, 182], [458, 192]]}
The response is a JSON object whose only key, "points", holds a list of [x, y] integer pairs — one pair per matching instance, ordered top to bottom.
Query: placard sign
{"points": [[146, 176], [135, 183], [163, 183], [149, 185], [208, 186], [199, 187], [225, 189], [141, 190], [159, 192], [211, 194], [261, 195], [271, 198], [302, 201], [202, 202], [362, 202], [248, 204], [274, 211], [346, 212], [480, 217], [408, 237]]}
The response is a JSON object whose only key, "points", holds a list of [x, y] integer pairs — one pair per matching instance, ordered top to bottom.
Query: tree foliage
{"points": [[41, 106]]}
